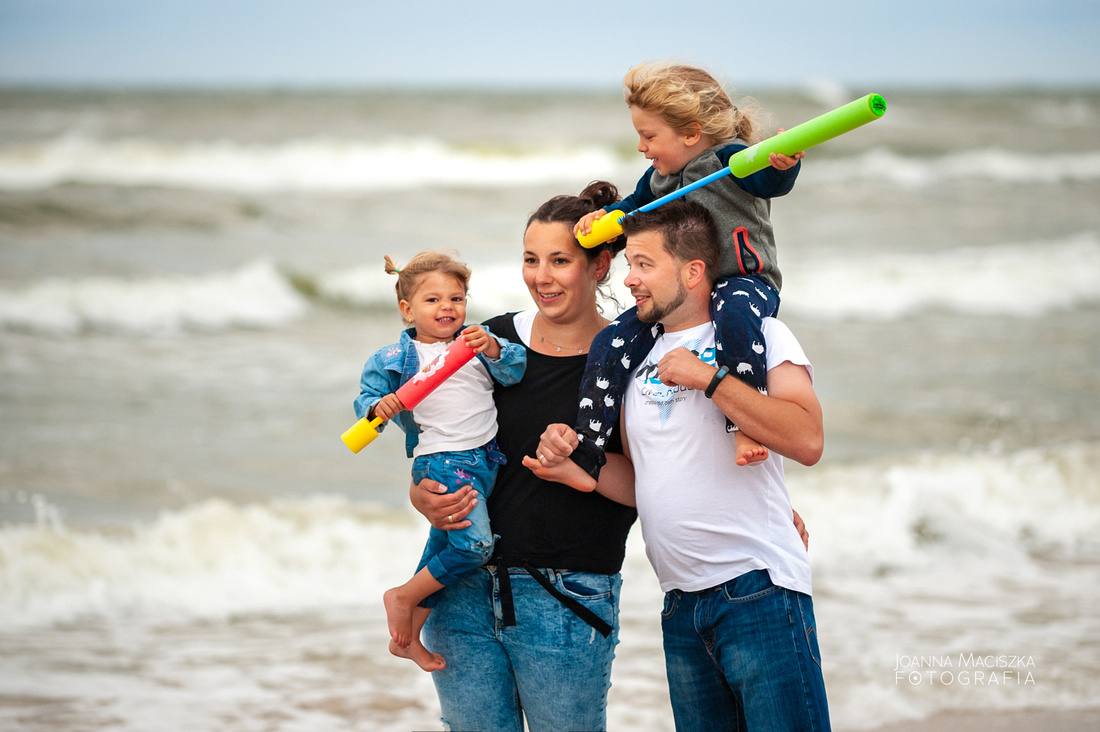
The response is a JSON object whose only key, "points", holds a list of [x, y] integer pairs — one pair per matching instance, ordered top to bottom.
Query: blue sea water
{"points": [[191, 281]]}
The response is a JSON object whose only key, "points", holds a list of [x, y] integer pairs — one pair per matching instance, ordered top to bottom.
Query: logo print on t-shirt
{"points": [[662, 395]]}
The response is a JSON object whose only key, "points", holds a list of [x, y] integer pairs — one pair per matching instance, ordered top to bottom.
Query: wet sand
{"points": [[1031, 720]]}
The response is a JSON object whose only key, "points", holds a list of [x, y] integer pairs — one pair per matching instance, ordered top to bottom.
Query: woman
{"points": [[533, 633]]}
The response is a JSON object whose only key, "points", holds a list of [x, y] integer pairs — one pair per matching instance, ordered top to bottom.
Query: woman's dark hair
{"points": [[569, 210]]}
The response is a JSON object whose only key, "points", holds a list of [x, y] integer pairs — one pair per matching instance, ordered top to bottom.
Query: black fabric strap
{"points": [[507, 608], [578, 609]]}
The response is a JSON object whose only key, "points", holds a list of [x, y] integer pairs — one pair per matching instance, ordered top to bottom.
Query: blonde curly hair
{"points": [[681, 95]]}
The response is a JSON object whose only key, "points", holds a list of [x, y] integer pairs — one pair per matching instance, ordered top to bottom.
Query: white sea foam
{"points": [[315, 165], [331, 165], [1005, 166], [1028, 279], [494, 288], [255, 296], [1009, 513], [942, 555]]}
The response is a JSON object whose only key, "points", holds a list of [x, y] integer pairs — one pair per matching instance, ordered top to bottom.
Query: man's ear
{"points": [[696, 273]]}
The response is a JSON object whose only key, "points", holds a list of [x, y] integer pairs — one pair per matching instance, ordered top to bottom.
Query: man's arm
{"points": [[787, 419]]}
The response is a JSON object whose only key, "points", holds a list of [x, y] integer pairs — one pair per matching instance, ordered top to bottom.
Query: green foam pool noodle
{"points": [[806, 135]]}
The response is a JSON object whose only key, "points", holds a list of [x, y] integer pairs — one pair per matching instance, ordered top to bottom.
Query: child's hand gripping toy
{"points": [[751, 159], [413, 391]]}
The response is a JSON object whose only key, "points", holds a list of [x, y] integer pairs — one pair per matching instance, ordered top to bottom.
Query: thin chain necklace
{"points": [[542, 339]]}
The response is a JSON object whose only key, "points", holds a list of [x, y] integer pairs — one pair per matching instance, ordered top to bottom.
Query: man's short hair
{"points": [[689, 232]]}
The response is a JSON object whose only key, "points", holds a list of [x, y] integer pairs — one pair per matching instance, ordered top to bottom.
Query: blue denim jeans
{"points": [[738, 306], [450, 554], [744, 656], [551, 666]]}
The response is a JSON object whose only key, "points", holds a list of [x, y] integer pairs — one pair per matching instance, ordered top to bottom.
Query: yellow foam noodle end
{"points": [[605, 228], [361, 434]]}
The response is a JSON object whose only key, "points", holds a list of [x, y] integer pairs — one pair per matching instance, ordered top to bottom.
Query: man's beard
{"points": [[659, 311]]}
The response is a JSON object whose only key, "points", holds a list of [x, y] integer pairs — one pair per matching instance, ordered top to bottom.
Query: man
{"points": [[739, 632]]}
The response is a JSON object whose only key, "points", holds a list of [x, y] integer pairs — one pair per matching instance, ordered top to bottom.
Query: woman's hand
{"points": [[557, 443], [445, 511], [803, 532]]}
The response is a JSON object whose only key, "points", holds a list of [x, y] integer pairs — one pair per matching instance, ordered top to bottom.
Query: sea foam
{"points": [[314, 165], [323, 165], [1028, 279], [256, 295], [1009, 514]]}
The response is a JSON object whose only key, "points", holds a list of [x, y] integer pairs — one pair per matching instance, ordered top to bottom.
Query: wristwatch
{"points": [[721, 374]]}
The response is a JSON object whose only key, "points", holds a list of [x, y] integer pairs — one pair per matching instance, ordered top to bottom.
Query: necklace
{"points": [[542, 339]]}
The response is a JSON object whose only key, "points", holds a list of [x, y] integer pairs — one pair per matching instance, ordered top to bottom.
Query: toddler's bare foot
{"points": [[749, 451], [398, 617], [420, 655]]}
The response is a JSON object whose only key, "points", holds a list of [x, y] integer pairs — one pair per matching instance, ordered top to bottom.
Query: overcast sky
{"points": [[563, 43]]}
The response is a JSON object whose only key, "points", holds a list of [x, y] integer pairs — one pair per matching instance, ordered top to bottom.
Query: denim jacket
{"points": [[392, 366]]}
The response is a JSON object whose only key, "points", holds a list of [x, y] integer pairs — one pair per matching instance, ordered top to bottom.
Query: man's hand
{"points": [[681, 367]]}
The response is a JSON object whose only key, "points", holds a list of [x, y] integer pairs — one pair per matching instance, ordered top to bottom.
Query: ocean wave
{"points": [[315, 165], [330, 165], [906, 171], [1017, 280], [494, 289], [255, 296], [981, 512], [214, 559]]}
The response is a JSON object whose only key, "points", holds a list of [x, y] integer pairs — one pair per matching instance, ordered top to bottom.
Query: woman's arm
{"points": [[552, 463]]}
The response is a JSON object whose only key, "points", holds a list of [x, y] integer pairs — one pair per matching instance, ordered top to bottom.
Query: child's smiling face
{"points": [[668, 150], [437, 308]]}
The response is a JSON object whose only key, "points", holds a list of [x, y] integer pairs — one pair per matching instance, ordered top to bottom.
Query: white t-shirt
{"points": [[460, 414], [705, 519]]}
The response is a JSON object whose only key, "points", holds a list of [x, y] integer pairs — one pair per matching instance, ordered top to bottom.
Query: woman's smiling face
{"points": [[561, 279]]}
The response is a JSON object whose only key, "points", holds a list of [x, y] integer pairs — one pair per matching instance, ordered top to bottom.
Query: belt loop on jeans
{"points": [[507, 608]]}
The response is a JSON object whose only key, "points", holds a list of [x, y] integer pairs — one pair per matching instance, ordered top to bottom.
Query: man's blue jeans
{"points": [[744, 656], [551, 666]]}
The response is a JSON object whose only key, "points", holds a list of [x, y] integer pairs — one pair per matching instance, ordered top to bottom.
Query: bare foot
{"points": [[749, 451], [566, 472], [399, 618], [417, 653]]}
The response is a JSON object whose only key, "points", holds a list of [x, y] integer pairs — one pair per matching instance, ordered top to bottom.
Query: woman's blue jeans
{"points": [[744, 656], [551, 666]]}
